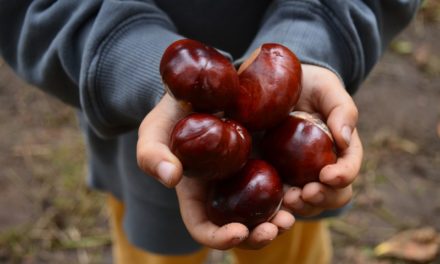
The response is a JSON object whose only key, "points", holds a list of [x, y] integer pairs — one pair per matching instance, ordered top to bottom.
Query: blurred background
{"points": [[49, 216]]}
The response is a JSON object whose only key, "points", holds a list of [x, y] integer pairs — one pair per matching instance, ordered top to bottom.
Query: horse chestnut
{"points": [[198, 74], [270, 85], [209, 147], [299, 148], [250, 197]]}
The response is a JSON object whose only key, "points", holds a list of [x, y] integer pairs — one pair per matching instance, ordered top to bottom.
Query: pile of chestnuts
{"points": [[257, 99]]}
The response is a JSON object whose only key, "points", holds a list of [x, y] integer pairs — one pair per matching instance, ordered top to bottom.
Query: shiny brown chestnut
{"points": [[199, 74], [270, 85], [209, 147], [299, 148], [251, 197]]}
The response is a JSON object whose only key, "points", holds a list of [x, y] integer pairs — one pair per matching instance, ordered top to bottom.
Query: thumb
{"points": [[333, 101], [342, 121], [153, 154]]}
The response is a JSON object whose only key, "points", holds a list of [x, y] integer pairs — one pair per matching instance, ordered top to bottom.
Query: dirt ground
{"points": [[49, 216]]}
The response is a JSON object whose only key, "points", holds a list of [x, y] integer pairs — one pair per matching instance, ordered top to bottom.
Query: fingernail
{"points": [[346, 134], [165, 170], [317, 198], [238, 239]]}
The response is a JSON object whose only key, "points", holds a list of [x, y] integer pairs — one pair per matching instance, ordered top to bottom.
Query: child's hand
{"points": [[323, 92], [152, 151], [153, 154], [192, 195]]}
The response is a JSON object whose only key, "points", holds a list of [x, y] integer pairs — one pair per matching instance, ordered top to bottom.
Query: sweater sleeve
{"points": [[347, 37], [100, 56]]}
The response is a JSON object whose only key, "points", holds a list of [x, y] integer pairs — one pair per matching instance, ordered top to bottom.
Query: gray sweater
{"points": [[102, 57]]}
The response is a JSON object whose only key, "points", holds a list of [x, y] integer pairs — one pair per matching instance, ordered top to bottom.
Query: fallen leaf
{"points": [[430, 10], [402, 47], [421, 55], [388, 139], [406, 145], [417, 245]]}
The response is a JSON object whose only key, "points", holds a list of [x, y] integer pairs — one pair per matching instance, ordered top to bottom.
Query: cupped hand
{"points": [[324, 93], [155, 158], [192, 195]]}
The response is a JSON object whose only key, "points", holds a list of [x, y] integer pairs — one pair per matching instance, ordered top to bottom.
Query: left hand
{"points": [[324, 93], [153, 152], [192, 195]]}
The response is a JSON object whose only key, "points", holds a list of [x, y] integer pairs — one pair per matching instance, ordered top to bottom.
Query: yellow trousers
{"points": [[308, 242]]}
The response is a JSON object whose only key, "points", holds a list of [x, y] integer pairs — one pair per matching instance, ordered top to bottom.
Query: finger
{"points": [[328, 97], [341, 113], [341, 122], [153, 154], [345, 170], [319, 195], [294, 202], [192, 203], [283, 220], [261, 236], [221, 238]]}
